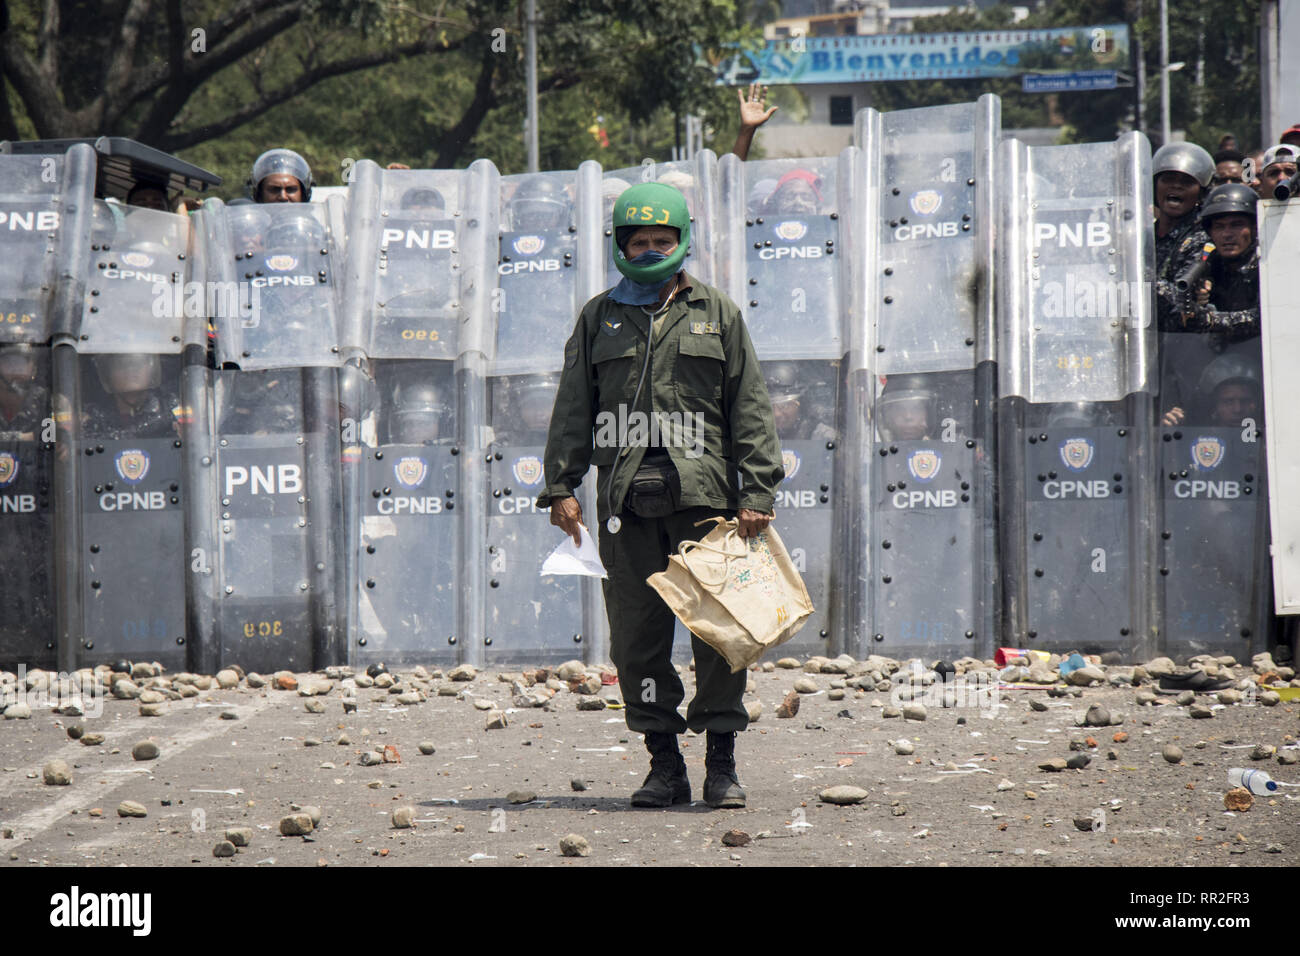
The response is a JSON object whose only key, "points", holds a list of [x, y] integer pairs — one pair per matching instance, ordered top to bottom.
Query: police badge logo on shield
{"points": [[926, 202], [791, 230], [529, 245], [137, 260], [281, 263], [1077, 453], [1207, 453], [790, 462], [132, 464], [924, 464], [8, 469], [528, 470], [410, 472]]}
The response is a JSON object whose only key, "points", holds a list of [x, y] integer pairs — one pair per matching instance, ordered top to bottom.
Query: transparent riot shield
{"points": [[697, 179], [543, 218], [30, 219], [1279, 243], [412, 261], [779, 261], [272, 295], [1076, 372], [920, 398], [131, 416], [27, 448], [275, 472]]}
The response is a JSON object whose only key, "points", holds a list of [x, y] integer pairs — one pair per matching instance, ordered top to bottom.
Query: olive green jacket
{"points": [[704, 392]]}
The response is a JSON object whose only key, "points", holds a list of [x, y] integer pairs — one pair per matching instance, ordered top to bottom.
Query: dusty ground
{"points": [[216, 773]]}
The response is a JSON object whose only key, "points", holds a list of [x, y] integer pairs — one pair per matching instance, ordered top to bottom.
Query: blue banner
{"points": [[929, 56]]}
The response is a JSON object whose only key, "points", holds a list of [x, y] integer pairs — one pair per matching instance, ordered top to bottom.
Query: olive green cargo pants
{"points": [[641, 632]]}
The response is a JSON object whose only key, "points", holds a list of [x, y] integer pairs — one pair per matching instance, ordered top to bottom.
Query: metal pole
{"points": [[1140, 56], [1164, 72], [533, 151]]}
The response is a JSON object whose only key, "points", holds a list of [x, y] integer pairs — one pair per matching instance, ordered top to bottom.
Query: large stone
{"points": [[789, 663], [1160, 667], [570, 670], [1084, 676], [227, 679], [284, 680], [255, 681], [806, 685], [125, 690], [1229, 696], [152, 697], [409, 698], [591, 703], [790, 706], [755, 710], [18, 711], [914, 712], [1200, 713], [1097, 716], [496, 721], [92, 739], [904, 748], [145, 750], [1172, 753], [1055, 765], [57, 773], [843, 795], [520, 796], [1238, 800], [130, 808], [403, 818], [296, 824], [240, 836], [736, 838], [575, 845], [224, 848]]}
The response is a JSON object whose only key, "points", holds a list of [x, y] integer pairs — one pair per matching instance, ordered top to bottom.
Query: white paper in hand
{"points": [[568, 559]]}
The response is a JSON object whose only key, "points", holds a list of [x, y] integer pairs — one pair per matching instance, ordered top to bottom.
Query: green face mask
{"points": [[651, 204]]}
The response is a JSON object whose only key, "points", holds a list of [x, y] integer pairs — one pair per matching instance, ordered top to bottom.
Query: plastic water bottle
{"points": [[1256, 781]]}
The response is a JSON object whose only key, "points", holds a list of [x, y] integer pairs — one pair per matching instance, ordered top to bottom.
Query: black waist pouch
{"points": [[655, 488]]}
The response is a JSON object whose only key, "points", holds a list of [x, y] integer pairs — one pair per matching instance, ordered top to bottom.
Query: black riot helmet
{"points": [[1229, 198], [424, 199], [539, 204], [17, 366], [128, 374], [535, 400], [907, 409], [418, 413]]}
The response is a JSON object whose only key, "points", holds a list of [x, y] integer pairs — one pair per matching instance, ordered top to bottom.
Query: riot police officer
{"points": [[1182, 173], [280, 175], [798, 193], [539, 204], [1228, 302], [711, 370], [1231, 387], [24, 401], [135, 408], [906, 413], [418, 414]]}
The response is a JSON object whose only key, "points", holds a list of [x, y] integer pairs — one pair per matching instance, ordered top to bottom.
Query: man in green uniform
{"points": [[661, 378]]}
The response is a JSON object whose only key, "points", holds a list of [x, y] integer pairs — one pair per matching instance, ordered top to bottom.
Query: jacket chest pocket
{"points": [[614, 359], [700, 365]]}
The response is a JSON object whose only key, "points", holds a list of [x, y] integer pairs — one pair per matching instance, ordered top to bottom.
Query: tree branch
{"points": [[47, 39], [119, 70], [36, 90], [173, 142], [453, 142]]}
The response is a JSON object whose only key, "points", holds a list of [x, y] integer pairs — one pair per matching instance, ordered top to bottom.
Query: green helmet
{"points": [[650, 204]]}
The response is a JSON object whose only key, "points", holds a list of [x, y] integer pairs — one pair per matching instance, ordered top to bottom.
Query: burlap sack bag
{"points": [[740, 596]]}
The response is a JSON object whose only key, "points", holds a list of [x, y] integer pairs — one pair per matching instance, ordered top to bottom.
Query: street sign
{"points": [[1069, 82]]}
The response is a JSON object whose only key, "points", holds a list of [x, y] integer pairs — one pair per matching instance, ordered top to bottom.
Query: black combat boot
{"points": [[666, 783], [721, 788]]}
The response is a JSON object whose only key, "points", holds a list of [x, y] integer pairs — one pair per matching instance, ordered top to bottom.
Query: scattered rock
{"points": [[789, 663], [1160, 667], [570, 670], [463, 672], [1084, 676], [226, 679], [284, 680], [385, 680], [255, 681], [806, 685], [125, 690], [836, 693], [1229, 696], [151, 697], [1144, 697], [409, 698], [1186, 698], [1270, 698], [591, 703], [483, 704], [1036, 704], [313, 706], [790, 706], [151, 710], [755, 710], [889, 710], [18, 712], [914, 712], [1200, 713], [1097, 716], [496, 721], [76, 731], [1119, 737], [92, 740], [311, 742], [425, 747], [904, 748], [145, 750], [1263, 752], [1172, 753], [1288, 757], [371, 758], [1078, 761], [1055, 765], [57, 773], [1004, 784], [843, 795], [520, 796], [1239, 800], [129, 808], [403, 818], [296, 824], [1084, 824], [239, 836], [736, 838], [575, 845], [224, 848]]}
